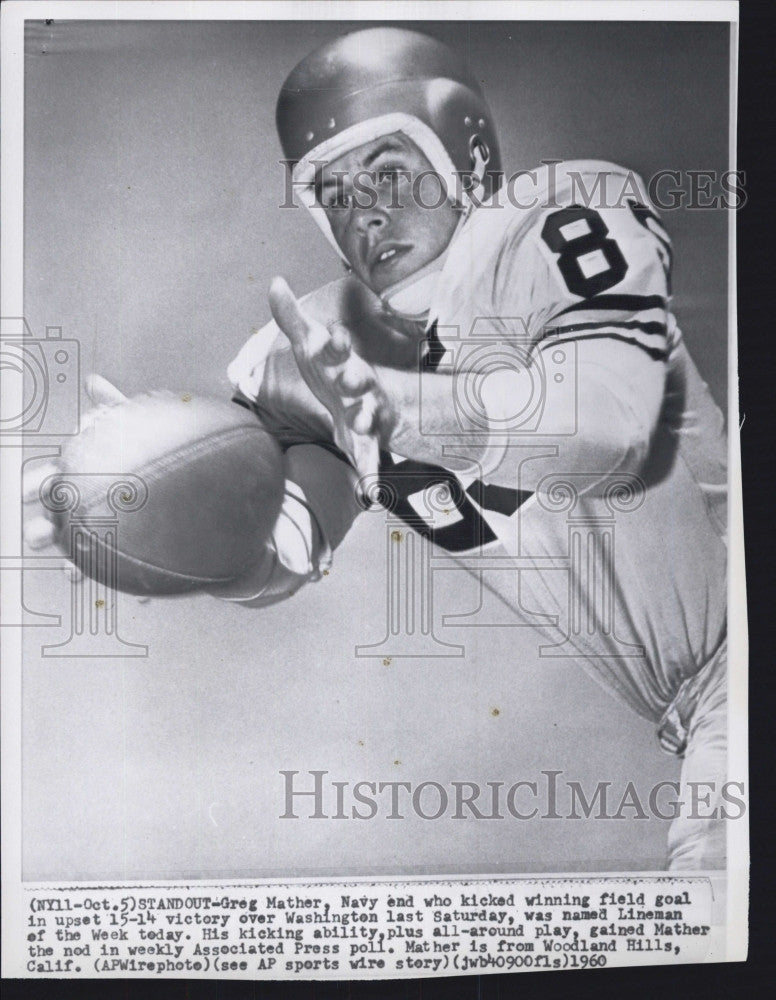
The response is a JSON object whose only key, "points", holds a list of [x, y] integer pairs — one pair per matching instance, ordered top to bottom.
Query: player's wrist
{"points": [[297, 537]]}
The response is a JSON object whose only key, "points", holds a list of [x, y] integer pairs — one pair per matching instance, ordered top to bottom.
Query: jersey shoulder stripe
{"points": [[568, 264], [623, 303], [642, 320], [652, 328], [611, 332]]}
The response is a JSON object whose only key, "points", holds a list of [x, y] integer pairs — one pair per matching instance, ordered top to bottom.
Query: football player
{"points": [[517, 353], [420, 369]]}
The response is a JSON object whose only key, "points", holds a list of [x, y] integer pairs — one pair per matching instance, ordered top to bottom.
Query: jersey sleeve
{"points": [[591, 273], [591, 287]]}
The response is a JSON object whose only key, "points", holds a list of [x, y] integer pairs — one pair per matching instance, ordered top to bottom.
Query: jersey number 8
{"points": [[581, 239]]}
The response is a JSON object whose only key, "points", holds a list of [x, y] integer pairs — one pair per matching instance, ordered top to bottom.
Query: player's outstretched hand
{"points": [[347, 385]]}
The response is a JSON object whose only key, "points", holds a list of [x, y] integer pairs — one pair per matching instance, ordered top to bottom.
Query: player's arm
{"points": [[603, 277], [592, 287], [613, 400], [321, 500]]}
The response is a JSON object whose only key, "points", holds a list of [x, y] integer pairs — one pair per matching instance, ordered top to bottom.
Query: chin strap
{"points": [[411, 297]]}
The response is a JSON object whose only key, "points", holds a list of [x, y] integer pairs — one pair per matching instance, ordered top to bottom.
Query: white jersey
{"points": [[624, 571]]}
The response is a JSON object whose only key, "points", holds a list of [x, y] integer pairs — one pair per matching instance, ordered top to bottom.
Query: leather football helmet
{"points": [[375, 82]]}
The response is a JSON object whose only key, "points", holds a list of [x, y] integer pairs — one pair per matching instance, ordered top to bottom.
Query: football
{"points": [[167, 493]]}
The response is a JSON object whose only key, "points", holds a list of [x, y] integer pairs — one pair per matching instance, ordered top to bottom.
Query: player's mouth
{"points": [[386, 259]]}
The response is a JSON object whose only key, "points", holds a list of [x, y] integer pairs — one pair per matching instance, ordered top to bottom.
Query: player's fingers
{"points": [[287, 312], [338, 347], [352, 382], [102, 392], [359, 416], [385, 416], [363, 422], [354, 446], [366, 455], [33, 478], [38, 532]]}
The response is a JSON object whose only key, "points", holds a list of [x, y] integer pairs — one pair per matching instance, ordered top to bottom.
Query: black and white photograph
{"points": [[372, 554]]}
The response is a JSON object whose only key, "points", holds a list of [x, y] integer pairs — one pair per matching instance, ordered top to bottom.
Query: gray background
{"points": [[152, 229]]}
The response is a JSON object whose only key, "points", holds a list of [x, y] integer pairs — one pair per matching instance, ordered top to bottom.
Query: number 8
{"points": [[571, 249]]}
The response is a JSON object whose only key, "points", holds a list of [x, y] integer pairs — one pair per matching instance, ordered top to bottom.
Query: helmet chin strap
{"points": [[411, 297]]}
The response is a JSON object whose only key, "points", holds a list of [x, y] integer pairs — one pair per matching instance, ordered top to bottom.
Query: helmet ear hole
{"points": [[479, 150], [479, 153]]}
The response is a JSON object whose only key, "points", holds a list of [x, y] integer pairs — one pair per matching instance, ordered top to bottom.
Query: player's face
{"points": [[387, 209]]}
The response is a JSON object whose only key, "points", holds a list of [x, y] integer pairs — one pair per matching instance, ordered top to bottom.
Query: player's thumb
{"points": [[287, 312], [102, 392], [366, 458]]}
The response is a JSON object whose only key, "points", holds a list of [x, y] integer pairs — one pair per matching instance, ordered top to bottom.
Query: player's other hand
{"points": [[347, 385], [38, 526]]}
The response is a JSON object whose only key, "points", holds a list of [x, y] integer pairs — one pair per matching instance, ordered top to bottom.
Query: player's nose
{"points": [[370, 220]]}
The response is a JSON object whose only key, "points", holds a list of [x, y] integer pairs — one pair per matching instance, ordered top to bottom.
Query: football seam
{"points": [[179, 457], [171, 572]]}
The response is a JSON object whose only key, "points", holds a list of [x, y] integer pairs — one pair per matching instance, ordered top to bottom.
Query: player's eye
{"points": [[388, 171], [336, 200]]}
